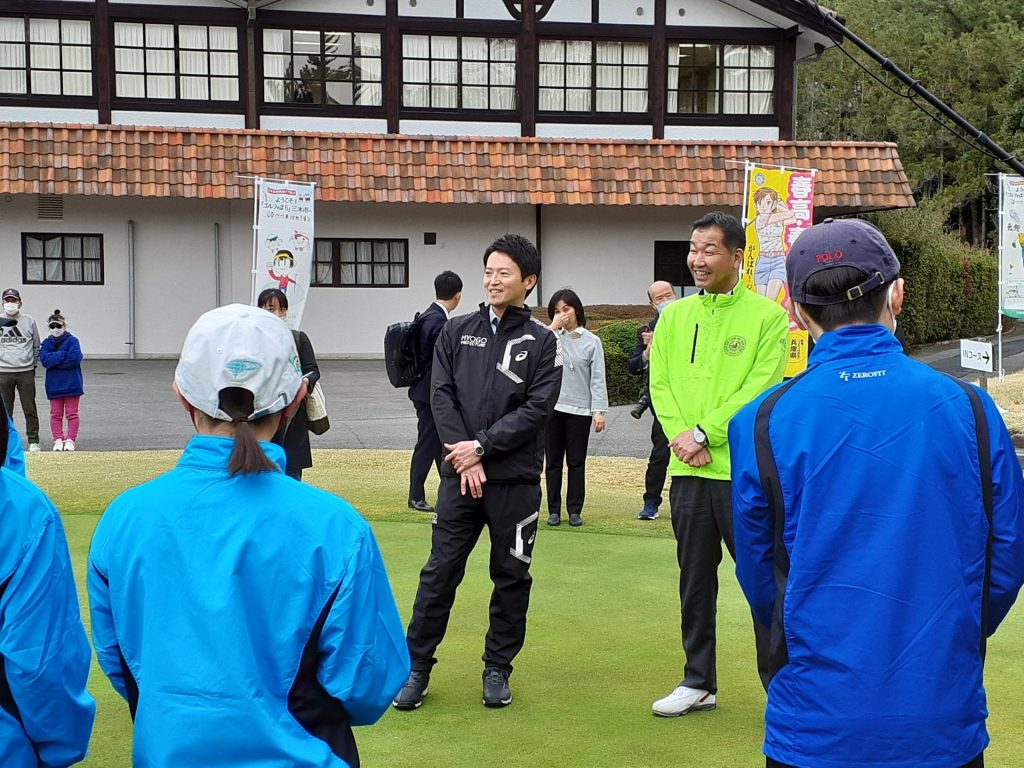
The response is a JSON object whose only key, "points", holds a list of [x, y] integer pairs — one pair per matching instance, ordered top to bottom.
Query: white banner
{"points": [[283, 242], [1011, 245]]}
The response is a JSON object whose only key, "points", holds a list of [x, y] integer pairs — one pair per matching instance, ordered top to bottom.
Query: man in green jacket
{"points": [[712, 354]]}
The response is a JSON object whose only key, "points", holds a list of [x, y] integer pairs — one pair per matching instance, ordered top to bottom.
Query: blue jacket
{"points": [[62, 359], [15, 460], [875, 594], [248, 620], [46, 715]]}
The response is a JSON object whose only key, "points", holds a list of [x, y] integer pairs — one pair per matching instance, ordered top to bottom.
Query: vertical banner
{"points": [[779, 205], [283, 243], [1011, 245]]}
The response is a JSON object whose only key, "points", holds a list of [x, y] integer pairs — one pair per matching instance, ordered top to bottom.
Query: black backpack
{"points": [[401, 353]]}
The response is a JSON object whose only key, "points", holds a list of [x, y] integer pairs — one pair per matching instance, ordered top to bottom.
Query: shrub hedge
{"points": [[951, 288], [619, 339]]}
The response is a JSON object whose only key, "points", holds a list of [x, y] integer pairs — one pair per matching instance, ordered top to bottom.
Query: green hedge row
{"points": [[951, 288], [619, 339]]}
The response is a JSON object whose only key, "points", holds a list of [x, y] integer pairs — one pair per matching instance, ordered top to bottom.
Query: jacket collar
{"points": [[710, 300], [512, 316], [854, 341], [211, 452]]}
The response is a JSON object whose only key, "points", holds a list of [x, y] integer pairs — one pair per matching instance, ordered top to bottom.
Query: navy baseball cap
{"points": [[840, 243]]}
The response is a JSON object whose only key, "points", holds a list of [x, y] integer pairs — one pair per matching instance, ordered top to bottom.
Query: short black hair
{"points": [[733, 236], [521, 251], [284, 254], [836, 281], [446, 285], [272, 293], [570, 297]]}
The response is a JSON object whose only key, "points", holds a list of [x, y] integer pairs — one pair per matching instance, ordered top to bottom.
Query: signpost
{"points": [[977, 356]]}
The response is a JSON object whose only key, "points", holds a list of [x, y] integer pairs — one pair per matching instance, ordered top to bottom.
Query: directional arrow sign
{"points": [[976, 355]]}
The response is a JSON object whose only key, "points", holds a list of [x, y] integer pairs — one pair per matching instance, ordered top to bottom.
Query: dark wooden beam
{"points": [[392, 67], [528, 70], [104, 72], [657, 72], [785, 79], [250, 96]]}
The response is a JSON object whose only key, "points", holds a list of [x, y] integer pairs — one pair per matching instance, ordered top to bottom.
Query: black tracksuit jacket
{"points": [[498, 390]]}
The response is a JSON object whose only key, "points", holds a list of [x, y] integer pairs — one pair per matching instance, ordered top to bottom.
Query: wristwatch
{"points": [[698, 435], [477, 448]]}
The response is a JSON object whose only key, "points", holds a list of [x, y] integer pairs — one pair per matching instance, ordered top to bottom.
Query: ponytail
{"points": [[247, 457]]}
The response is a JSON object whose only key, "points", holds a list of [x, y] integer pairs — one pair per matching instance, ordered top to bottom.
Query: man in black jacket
{"points": [[448, 292], [661, 294], [496, 378]]}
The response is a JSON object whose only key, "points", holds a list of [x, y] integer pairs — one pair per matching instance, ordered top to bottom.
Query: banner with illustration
{"points": [[778, 206], [283, 242], [1011, 245]]}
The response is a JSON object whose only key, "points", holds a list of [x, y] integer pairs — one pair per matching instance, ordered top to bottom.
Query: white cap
{"points": [[244, 347]]}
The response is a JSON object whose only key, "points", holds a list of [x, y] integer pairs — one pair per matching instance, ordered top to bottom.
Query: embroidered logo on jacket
{"points": [[474, 341], [735, 345], [846, 375]]}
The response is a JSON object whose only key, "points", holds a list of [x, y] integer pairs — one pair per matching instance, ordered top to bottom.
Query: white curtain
{"points": [[276, 43], [44, 55], [77, 55], [12, 56], [578, 56], [224, 63], [368, 70], [415, 71], [444, 72], [475, 72], [503, 73], [551, 76], [609, 76], [634, 77], [735, 79], [762, 79]]}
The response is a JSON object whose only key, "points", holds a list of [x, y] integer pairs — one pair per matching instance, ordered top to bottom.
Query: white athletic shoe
{"points": [[58, 445], [69, 445], [34, 448], [683, 700]]}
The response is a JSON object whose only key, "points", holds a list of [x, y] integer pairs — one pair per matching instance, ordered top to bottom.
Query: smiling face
{"points": [[714, 267], [504, 285], [568, 313]]}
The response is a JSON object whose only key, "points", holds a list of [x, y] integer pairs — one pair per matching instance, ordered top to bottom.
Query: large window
{"points": [[45, 57], [185, 62], [314, 67], [445, 72], [588, 76], [713, 79], [52, 258], [348, 263]]}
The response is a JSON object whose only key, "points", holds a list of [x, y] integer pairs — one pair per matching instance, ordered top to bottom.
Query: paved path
{"points": [[129, 406]]}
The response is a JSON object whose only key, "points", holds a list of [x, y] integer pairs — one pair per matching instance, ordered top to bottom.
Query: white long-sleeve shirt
{"points": [[584, 388]]}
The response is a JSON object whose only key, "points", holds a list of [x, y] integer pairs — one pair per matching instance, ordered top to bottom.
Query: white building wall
{"points": [[435, 9], [577, 11], [626, 12], [48, 115], [177, 119], [322, 124], [593, 131], [721, 133]]}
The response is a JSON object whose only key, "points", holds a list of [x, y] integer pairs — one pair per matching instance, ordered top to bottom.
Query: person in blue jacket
{"points": [[61, 356], [15, 458], [879, 528], [246, 618], [46, 715]]}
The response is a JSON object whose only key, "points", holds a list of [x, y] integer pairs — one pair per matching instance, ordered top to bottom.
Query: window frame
{"points": [[186, 19], [51, 99], [594, 116], [45, 236], [337, 262]]}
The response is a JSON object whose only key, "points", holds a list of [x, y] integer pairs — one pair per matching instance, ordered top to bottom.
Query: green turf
{"points": [[603, 638]]}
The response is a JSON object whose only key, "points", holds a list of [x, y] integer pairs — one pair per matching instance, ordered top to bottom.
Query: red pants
{"points": [[59, 408]]}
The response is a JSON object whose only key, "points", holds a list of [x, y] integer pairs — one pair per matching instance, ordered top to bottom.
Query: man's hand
{"points": [[646, 335], [599, 422], [685, 447], [462, 455], [700, 458], [473, 479]]}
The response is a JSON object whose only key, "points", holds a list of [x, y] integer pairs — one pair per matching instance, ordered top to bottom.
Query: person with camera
{"points": [[659, 296], [427, 451]]}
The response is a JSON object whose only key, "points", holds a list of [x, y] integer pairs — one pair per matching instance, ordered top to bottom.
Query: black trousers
{"points": [[25, 384], [567, 436], [427, 451], [657, 464], [510, 514], [702, 520], [978, 762]]}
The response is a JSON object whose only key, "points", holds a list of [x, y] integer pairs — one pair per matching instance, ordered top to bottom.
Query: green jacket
{"points": [[711, 355]]}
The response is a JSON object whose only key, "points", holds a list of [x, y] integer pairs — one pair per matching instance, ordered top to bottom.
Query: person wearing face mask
{"points": [[659, 295], [19, 355], [61, 356], [879, 528]]}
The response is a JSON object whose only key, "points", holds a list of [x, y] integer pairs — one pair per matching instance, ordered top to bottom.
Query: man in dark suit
{"points": [[448, 290], [660, 294]]}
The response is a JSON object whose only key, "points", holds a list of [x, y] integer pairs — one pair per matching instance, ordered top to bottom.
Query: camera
{"points": [[642, 404]]}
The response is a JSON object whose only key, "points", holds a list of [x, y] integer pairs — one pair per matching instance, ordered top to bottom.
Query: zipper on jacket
{"points": [[693, 350]]}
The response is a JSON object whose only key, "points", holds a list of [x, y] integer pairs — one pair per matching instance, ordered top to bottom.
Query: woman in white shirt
{"points": [[583, 401]]}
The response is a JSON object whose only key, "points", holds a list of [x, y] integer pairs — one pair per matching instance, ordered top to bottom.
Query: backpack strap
{"points": [[987, 493]]}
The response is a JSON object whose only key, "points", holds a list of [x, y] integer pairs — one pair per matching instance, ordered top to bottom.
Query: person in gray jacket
{"points": [[19, 355], [583, 402]]}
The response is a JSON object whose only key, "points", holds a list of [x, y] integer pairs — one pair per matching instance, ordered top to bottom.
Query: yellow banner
{"points": [[779, 206]]}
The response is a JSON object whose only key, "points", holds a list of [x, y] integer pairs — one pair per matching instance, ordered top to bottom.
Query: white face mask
{"points": [[661, 307], [11, 308], [57, 332]]}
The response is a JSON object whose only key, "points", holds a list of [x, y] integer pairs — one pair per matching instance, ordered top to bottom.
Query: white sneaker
{"points": [[58, 445], [69, 445], [34, 448], [683, 700]]}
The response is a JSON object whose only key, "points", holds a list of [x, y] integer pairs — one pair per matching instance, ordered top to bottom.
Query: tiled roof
{"points": [[121, 161]]}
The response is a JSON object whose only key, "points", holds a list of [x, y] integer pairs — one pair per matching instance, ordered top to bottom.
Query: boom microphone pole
{"points": [[982, 138]]}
